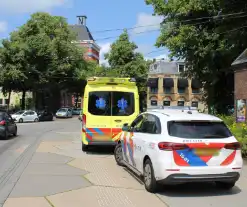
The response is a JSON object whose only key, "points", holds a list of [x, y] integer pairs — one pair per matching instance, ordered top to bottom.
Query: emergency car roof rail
{"points": [[177, 108], [169, 110]]}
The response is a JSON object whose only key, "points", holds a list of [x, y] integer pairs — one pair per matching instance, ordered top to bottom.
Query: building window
{"points": [[181, 68], [154, 90], [167, 90], [181, 90], [195, 90], [1, 101], [7, 101], [154, 103], [166, 103], [180, 103], [194, 104]]}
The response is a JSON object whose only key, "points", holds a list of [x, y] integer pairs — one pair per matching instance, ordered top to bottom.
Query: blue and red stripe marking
{"points": [[90, 132], [188, 157]]}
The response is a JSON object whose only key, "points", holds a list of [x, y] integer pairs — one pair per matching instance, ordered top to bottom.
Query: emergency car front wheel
{"points": [[84, 147], [118, 154], [149, 178], [225, 185]]}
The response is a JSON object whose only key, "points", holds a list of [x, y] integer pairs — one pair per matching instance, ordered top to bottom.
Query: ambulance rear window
{"points": [[99, 103], [111, 103], [198, 129]]}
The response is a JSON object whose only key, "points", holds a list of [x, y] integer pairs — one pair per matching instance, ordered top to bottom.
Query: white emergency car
{"points": [[167, 146]]}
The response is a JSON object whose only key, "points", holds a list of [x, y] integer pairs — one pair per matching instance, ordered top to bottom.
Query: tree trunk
{"points": [[9, 96], [23, 100], [76, 102]]}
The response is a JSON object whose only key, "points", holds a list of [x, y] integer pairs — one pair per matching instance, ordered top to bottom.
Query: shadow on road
{"points": [[9, 138], [100, 150], [196, 190]]}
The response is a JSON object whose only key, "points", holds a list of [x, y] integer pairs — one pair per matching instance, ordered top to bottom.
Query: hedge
{"points": [[239, 130]]}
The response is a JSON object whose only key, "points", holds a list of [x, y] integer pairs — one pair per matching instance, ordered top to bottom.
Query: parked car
{"points": [[76, 111], [64, 113], [25, 116], [45, 116], [7, 125], [166, 146]]}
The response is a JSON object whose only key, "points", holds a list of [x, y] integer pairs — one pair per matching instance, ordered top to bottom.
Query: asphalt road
{"points": [[15, 154]]}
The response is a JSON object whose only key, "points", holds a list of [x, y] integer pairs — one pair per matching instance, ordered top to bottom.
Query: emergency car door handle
{"points": [[118, 120]]}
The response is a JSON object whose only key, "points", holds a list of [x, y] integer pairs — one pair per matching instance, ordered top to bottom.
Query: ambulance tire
{"points": [[84, 147], [118, 154], [225, 185]]}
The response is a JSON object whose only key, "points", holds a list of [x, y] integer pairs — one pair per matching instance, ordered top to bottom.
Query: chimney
{"points": [[82, 20]]}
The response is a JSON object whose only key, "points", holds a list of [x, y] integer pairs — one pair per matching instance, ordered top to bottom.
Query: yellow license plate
{"points": [[101, 137], [207, 152]]}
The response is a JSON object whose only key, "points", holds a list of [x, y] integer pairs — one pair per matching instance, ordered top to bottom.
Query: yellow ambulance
{"points": [[108, 104]]}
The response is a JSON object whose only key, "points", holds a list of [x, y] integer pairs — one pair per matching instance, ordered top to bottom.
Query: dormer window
{"points": [[181, 68]]}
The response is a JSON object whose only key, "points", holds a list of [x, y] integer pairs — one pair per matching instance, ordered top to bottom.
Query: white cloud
{"points": [[26, 6], [146, 22], [3, 26], [105, 48]]}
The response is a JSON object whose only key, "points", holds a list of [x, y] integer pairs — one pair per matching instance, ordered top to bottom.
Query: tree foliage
{"points": [[209, 35], [40, 55], [126, 62]]}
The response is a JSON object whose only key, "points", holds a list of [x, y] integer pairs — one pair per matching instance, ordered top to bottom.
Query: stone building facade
{"points": [[166, 86]]}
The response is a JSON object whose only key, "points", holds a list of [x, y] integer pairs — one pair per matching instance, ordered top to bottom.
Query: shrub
{"points": [[239, 130]]}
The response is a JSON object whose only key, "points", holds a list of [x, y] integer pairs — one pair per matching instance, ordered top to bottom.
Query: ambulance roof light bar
{"points": [[133, 80]]}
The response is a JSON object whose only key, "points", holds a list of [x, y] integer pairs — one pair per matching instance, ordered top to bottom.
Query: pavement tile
{"points": [[50, 146], [46, 147], [74, 150], [40, 157], [53, 169], [105, 172], [44, 185], [97, 196], [26, 202]]}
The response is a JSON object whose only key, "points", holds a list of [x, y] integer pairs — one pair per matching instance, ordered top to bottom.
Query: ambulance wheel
{"points": [[84, 147], [118, 154], [225, 185]]}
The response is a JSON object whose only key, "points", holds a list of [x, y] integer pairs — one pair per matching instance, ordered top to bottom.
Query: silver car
{"points": [[64, 113]]}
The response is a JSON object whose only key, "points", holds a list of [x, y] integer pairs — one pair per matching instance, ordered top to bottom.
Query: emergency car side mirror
{"points": [[125, 127]]}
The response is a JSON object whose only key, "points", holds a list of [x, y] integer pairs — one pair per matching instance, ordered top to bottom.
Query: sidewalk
{"points": [[61, 175]]}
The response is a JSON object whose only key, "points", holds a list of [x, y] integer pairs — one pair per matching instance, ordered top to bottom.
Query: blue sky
{"points": [[102, 15]]}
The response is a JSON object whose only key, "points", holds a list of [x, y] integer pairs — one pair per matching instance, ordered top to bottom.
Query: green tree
{"points": [[208, 38], [48, 61], [126, 62], [12, 74]]}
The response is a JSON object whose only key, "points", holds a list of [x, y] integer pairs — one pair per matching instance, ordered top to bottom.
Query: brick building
{"points": [[85, 39], [240, 76], [166, 86], [240, 86]]}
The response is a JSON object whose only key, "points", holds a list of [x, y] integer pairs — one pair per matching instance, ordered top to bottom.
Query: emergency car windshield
{"points": [[198, 130]]}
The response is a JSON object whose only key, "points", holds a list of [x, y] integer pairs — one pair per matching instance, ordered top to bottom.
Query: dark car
{"points": [[76, 111], [45, 116], [7, 125]]}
